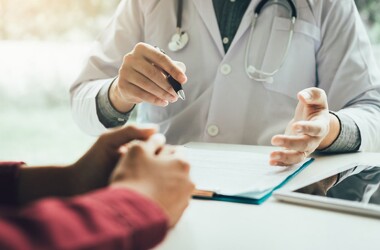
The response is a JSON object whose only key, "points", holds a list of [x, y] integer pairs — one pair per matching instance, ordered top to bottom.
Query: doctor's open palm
{"points": [[142, 78], [311, 128]]}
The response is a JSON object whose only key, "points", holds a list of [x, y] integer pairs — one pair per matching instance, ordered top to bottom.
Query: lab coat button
{"points": [[225, 69], [213, 130]]}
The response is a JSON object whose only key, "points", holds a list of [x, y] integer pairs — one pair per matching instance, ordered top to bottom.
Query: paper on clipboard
{"points": [[235, 173]]}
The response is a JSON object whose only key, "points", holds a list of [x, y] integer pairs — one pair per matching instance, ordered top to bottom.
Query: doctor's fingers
{"points": [[158, 58], [155, 74], [143, 82], [135, 94], [314, 98], [315, 128], [302, 143], [287, 157]]}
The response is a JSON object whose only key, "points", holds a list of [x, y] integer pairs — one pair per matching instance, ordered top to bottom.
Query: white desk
{"points": [[275, 225]]}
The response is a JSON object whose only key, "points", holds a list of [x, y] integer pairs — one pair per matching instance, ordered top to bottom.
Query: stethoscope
{"points": [[181, 38]]}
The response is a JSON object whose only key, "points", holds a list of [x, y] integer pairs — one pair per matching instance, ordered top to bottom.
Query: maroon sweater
{"points": [[105, 219]]}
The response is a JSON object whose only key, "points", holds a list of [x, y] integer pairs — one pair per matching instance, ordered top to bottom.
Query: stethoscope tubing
{"points": [[179, 15], [263, 76]]}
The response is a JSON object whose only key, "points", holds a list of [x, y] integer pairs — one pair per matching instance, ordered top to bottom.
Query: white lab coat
{"points": [[330, 50]]}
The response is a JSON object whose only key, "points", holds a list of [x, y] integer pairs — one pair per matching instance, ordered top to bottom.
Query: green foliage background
{"points": [[370, 12]]}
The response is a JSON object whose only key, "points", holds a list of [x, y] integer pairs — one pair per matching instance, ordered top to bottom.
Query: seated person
{"points": [[138, 188]]}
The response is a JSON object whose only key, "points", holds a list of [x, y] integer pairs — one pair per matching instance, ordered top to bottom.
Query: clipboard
{"points": [[246, 198]]}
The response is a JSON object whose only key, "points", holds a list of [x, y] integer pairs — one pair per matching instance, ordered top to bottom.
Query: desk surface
{"points": [[276, 225]]}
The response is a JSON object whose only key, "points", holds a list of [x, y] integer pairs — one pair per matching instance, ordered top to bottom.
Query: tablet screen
{"points": [[360, 184]]}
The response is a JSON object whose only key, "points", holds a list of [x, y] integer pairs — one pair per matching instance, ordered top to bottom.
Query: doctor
{"points": [[254, 70]]}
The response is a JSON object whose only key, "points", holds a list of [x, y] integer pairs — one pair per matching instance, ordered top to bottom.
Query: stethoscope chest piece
{"points": [[178, 41]]}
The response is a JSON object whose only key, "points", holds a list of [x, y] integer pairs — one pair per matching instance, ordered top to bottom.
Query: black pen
{"points": [[173, 82], [176, 86]]}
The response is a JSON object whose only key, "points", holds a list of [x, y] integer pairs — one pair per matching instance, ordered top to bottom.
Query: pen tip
{"points": [[181, 94]]}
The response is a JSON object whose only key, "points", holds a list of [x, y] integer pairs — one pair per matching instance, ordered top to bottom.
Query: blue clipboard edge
{"points": [[247, 200]]}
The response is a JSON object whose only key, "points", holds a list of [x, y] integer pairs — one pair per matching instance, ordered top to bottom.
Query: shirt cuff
{"points": [[107, 113], [349, 138], [9, 173]]}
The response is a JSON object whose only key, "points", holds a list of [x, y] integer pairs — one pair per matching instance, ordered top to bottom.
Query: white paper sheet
{"points": [[235, 173]]}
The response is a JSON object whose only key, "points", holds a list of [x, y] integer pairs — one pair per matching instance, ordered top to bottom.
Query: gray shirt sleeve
{"points": [[107, 114], [349, 138]]}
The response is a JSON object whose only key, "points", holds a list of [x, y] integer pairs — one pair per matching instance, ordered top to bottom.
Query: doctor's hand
{"points": [[142, 79], [312, 128], [158, 172]]}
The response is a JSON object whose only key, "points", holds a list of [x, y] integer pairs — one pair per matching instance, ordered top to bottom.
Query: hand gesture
{"points": [[142, 78], [311, 128]]}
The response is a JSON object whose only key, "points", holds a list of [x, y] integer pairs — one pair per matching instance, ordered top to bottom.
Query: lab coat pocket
{"points": [[298, 70]]}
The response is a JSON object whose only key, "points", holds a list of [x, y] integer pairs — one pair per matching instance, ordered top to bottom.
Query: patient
{"points": [[124, 193]]}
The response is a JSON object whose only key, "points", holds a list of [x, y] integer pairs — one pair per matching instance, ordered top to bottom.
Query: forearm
{"points": [[9, 174], [87, 174], [39, 182], [20, 184], [107, 219]]}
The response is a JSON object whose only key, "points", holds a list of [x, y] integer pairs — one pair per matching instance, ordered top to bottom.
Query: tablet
{"points": [[355, 191]]}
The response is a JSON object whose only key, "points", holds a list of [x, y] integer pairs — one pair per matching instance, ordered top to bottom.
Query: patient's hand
{"points": [[158, 172]]}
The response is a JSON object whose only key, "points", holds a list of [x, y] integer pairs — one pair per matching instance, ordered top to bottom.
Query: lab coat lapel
{"points": [[207, 13], [245, 23]]}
